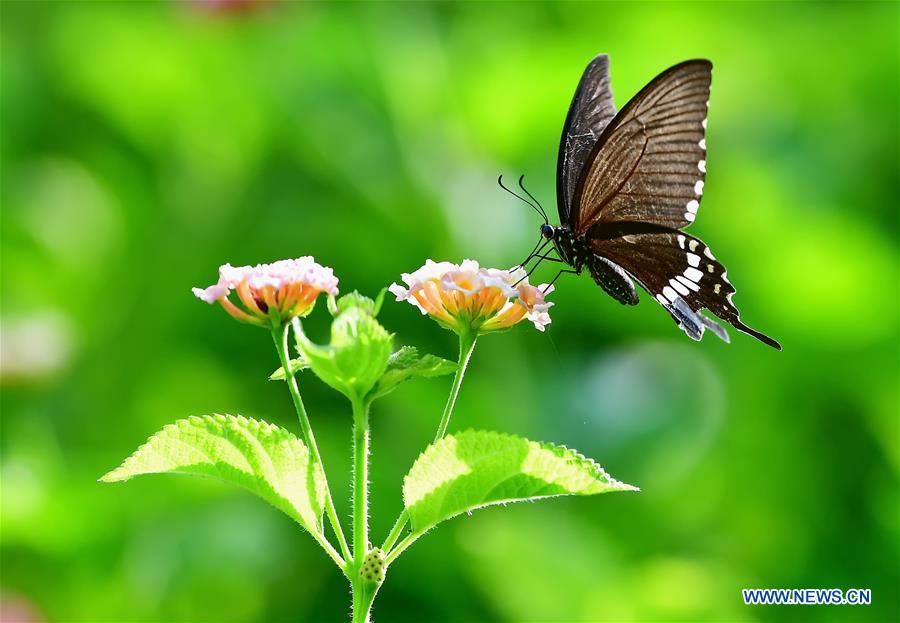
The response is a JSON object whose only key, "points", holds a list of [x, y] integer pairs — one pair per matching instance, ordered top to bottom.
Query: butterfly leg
{"points": [[537, 249], [550, 258], [538, 263], [560, 273]]}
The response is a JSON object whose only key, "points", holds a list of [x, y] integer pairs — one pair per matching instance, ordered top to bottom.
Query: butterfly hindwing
{"points": [[591, 110], [649, 165], [680, 272]]}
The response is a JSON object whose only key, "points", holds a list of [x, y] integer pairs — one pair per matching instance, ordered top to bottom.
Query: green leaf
{"points": [[357, 300], [379, 301], [359, 350], [298, 364], [406, 364], [265, 459], [473, 469]]}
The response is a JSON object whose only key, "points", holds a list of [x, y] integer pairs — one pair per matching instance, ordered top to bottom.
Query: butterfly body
{"points": [[629, 183], [567, 245], [579, 256]]}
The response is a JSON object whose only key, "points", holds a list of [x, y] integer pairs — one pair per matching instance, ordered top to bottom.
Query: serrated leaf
{"points": [[355, 299], [358, 353], [406, 364], [297, 365], [260, 457], [473, 469]]}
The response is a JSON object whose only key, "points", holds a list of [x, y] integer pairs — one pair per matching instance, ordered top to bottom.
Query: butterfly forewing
{"points": [[591, 110], [649, 165]]}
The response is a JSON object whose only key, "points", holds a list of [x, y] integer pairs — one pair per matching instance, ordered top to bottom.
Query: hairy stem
{"points": [[280, 335], [466, 348], [360, 482], [396, 531], [401, 547], [363, 593], [363, 596]]}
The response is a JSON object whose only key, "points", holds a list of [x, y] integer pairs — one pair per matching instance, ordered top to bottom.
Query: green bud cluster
{"points": [[373, 567]]}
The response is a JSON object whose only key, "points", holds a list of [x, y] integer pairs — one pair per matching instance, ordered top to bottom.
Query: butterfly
{"points": [[628, 184]]}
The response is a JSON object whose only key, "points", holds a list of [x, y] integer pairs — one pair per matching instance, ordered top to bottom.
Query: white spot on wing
{"points": [[703, 123], [702, 143], [702, 166], [698, 188], [692, 206], [689, 216], [681, 241], [692, 245], [708, 253], [693, 259], [710, 268], [693, 274], [693, 286], [717, 288], [681, 289], [670, 294], [662, 300]]}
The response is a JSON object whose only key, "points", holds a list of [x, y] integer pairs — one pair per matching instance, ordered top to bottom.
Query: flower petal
{"points": [[288, 287], [399, 291], [211, 294], [467, 298]]}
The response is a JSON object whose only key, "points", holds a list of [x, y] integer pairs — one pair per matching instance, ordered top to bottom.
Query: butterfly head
{"points": [[548, 231]]}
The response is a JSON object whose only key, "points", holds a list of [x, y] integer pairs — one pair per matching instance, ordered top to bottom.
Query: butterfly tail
{"points": [[694, 324], [716, 328], [762, 337]]}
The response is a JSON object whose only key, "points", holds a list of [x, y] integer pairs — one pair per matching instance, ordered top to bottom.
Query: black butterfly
{"points": [[628, 184]]}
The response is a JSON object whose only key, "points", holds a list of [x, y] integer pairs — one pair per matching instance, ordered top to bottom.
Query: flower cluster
{"points": [[270, 293], [467, 298]]}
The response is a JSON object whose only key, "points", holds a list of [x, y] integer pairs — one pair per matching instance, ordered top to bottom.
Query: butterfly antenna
{"points": [[522, 186], [521, 198]]}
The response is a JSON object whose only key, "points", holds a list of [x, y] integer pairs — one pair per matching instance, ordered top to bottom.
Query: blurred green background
{"points": [[144, 144]]}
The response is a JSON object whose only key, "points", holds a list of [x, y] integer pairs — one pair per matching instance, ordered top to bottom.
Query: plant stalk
{"points": [[280, 335], [466, 348], [360, 482], [363, 592], [363, 596]]}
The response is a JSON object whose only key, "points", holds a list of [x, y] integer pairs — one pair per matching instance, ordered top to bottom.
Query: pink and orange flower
{"points": [[270, 293], [466, 298]]}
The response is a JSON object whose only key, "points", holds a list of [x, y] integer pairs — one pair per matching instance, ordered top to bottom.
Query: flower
{"points": [[270, 293], [466, 298]]}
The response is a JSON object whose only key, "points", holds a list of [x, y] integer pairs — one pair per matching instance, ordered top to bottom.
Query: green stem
{"points": [[280, 335], [466, 348], [360, 482], [395, 532], [401, 546], [363, 592], [363, 596]]}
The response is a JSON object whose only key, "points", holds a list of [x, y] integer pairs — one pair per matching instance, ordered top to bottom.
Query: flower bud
{"points": [[358, 353], [373, 568]]}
